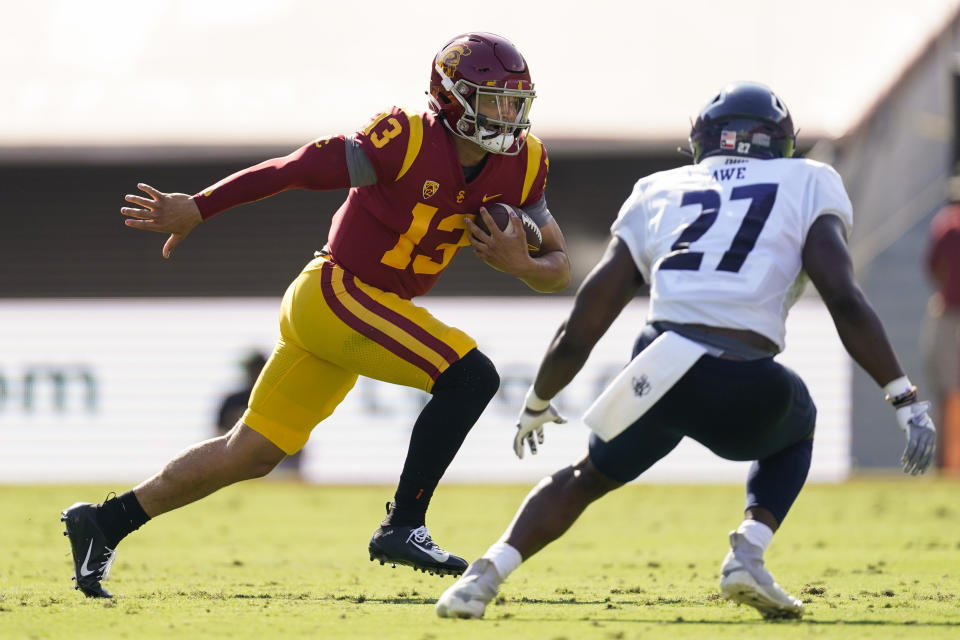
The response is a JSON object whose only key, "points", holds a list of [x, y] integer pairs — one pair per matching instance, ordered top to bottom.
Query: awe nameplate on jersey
{"points": [[641, 384]]}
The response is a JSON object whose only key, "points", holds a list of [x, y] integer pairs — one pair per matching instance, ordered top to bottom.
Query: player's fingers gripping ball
{"points": [[501, 214]]}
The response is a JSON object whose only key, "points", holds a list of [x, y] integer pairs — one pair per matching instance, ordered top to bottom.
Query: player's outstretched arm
{"points": [[318, 165], [173, 213], [827, 261], [607, 289], [602, 296]]}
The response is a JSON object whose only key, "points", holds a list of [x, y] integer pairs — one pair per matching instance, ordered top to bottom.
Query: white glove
{"points": [[530, 422], [921, 437]]}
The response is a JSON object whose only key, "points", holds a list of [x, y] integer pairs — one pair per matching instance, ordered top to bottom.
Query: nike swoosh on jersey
{"points": [[486, 197], [84, 571]]}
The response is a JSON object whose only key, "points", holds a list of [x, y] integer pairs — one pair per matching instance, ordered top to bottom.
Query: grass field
{"points": [[267, 559]]}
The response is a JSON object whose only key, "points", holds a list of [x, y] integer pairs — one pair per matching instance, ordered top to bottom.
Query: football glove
{"points": [[530, 427], [921, 437]]}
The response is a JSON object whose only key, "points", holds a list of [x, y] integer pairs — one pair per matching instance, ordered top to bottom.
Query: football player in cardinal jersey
{"points": [[415, 182], [726, 244]]}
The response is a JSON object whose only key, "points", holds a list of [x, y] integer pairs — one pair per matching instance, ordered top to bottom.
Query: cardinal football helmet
{"points": [[480, 86], [744, 119]]}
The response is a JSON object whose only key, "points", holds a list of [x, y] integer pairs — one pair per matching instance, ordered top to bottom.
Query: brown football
{"points": [[501, 214]]}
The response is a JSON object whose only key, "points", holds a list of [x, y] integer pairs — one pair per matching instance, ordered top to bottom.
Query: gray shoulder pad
{"points": [[359, 165], [538, 211]]}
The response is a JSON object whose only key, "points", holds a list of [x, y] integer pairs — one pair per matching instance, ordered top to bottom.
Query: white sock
{"points": [[756, 533], [504, 557]]}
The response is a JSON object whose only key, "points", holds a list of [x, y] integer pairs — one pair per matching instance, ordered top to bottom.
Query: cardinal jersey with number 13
{"points": [[401, 233], [725, 238]]}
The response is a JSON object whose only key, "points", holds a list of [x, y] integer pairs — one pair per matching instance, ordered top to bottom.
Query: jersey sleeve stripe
{"points": [[414, 142], [534, 153], [329, 283]]}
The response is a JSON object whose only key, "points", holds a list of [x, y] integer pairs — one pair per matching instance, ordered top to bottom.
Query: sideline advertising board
{"points": [[109, 390]]}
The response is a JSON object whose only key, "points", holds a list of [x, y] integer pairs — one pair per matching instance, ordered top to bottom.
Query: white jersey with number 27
{"points": [[720, 242]]}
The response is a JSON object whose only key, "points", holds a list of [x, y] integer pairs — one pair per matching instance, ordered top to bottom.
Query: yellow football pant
{"points": [[333, 328]]}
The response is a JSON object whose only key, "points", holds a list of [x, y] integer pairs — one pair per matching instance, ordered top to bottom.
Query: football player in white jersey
{"points": [[726, 244]]}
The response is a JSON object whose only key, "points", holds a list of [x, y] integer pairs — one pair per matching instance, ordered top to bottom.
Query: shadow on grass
{"points": [[394, 600], [492, 614], [679, 620], [808, 621]]}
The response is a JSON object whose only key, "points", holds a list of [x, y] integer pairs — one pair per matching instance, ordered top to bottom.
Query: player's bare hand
{"points": [[173, 213], [503, 250], [530, 428]]}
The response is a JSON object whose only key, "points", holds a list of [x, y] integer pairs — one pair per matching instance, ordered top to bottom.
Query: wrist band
{"points": [[900, 392], [535, 402]]}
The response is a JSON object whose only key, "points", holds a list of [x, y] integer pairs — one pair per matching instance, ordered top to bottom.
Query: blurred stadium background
{"points": [[112, 359]]}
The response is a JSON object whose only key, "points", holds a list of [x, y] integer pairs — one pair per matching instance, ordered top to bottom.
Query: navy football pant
{"points": [[739, 409], [775, 482]]}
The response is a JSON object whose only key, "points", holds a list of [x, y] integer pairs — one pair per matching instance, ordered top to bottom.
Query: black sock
{"points": [[460, 395], [119, 516]]}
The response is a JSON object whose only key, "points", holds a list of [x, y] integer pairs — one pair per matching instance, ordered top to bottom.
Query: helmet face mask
{"points": [[480, 86], [495, 119], [744, 119]]}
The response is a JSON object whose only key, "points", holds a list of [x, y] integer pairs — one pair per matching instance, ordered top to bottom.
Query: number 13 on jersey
{"points": [[399, 257]]}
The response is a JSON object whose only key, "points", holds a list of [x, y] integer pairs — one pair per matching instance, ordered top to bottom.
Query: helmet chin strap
{"points": [[444, 78], [449, 85]]}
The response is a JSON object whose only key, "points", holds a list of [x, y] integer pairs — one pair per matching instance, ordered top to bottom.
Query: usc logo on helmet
{"points": [[450, 58]]}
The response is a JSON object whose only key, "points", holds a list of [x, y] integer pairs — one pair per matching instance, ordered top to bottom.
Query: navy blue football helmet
{"points": [[744, 119]]}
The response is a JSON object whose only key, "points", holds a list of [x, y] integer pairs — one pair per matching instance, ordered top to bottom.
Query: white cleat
{"points": [[744, 579], [469, 596]]}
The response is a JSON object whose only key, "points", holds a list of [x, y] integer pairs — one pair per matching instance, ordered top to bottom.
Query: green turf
{"points": [[872, 559]]}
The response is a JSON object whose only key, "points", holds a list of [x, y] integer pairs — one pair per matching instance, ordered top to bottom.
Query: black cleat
{"points": [[412, 546], [92, 558]]}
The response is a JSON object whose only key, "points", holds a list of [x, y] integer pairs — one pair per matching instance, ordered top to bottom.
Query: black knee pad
{"points": [[473, 372]]}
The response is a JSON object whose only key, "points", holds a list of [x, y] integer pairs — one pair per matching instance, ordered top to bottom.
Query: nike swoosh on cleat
{"points": [[439, 556], [84, 571]]}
